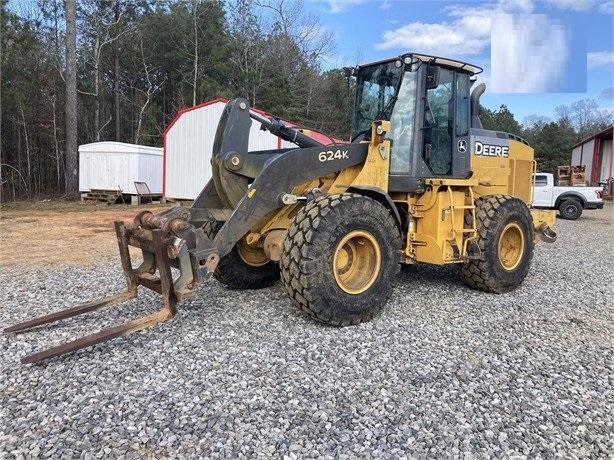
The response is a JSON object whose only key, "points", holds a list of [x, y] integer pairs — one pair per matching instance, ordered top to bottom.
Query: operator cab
{"points": [[426, 99]]}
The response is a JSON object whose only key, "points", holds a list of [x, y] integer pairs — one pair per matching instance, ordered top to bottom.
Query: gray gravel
{"points": [[444, 371]]}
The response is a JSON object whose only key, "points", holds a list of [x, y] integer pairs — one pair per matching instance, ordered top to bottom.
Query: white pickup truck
{"points": [[570, 201]]}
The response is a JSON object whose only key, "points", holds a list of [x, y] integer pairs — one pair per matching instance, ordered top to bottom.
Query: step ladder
{"points": [[471, 250]]}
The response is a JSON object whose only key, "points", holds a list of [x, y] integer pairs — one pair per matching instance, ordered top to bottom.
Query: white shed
{"points": [[188, 144], [117, 165]]}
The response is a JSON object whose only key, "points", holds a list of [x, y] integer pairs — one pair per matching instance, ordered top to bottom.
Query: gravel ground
{"points": [[444, 371]]}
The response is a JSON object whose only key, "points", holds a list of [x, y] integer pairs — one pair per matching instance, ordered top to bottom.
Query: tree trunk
{"points": [[97, 51], [195, 76], [116, 81], [149, 91], [26, 138], [56, 144], [72, 167], [2, 181]]}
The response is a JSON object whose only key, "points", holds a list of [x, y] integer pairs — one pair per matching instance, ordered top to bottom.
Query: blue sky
{"points": [[547, 53]]}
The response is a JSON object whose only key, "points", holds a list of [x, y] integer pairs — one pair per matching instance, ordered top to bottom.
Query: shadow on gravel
{"points": [[430, 274]]}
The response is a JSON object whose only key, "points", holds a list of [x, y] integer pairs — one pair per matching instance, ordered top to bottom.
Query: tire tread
{"points": [[479, 274], [299, 282]]}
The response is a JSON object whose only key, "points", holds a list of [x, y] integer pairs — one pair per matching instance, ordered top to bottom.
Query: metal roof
{"points": [[601, 135]]}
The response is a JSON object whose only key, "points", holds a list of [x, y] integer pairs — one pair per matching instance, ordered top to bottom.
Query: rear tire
{"points": [[570, 209], [505, 237], [340, 258], [243, 267]]}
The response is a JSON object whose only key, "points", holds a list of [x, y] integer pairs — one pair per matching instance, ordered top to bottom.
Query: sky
{"points": [[536, 54]]}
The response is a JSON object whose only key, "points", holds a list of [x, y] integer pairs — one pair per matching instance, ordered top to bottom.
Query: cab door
{"points": [[446, 124], [542, 196]]}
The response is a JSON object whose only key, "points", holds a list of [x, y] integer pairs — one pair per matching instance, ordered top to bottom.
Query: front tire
{"points": [[570, 209], [505, 237], [340, 258], [244, 267]]}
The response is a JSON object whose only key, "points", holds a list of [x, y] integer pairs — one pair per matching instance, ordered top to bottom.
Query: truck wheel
{"points": [[570, 209], [505, 237], [340, 258], [244, 267]]}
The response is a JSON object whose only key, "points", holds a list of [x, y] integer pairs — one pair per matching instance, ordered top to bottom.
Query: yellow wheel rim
{"points": [[511, 246], [251, 256], [357, 261]]}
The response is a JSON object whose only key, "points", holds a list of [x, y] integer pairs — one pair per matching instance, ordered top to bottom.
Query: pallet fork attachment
{"points": [[143, 275]]}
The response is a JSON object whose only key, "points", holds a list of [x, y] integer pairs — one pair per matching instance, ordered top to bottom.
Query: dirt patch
{"points": [[61, 233]]}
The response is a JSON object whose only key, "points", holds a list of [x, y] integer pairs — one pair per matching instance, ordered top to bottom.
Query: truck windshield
{"points": [[376, 94]]}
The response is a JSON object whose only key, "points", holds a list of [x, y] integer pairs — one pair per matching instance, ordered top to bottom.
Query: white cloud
{"points": [[576, 5], [339, 6], [517, 6], [607, 8], [488, 9], [468, 33], [434, 38], [600, 58], [607, 94]]}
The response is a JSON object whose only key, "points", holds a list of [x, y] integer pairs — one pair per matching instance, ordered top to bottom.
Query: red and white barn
{"points": [[188, 143], [597, 155]]}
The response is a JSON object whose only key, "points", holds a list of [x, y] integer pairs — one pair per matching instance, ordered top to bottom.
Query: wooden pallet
{"points": [[570, 175], [105, 195]]}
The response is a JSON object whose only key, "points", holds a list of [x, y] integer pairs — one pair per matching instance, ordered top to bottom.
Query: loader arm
{"points": [[232, 165], [279, 176]]}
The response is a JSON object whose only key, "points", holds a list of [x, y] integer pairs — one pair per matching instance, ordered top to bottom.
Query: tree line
{"points": [[141, 61], [138, 62], [552, 140]]}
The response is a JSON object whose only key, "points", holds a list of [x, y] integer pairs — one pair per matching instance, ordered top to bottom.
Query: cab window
{"points": [[462, 104], [438, 124], [402, 125]]}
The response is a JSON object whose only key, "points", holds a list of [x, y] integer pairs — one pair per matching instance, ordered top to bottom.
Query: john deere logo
{"points": [[462, 146], [488, 150]]}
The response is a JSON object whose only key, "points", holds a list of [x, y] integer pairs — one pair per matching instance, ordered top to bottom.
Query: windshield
{"points": [[376, 91]]}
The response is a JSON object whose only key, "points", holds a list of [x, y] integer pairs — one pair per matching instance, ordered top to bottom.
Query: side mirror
{"points": [[349, 72], [432, 77]]}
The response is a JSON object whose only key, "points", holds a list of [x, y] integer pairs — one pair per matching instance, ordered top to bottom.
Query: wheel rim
{"points": [[570, 210], [511, 246], [251, 256], [357, 261]]}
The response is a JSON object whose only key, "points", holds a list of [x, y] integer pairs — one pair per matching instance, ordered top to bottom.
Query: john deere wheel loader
{"points": [[420, 182]]}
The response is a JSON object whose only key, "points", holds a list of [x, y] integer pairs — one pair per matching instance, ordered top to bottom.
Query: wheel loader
{"points": [[420, 182]]}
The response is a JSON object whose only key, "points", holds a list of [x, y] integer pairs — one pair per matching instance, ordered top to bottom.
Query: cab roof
{"points": [[435, 60]]}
